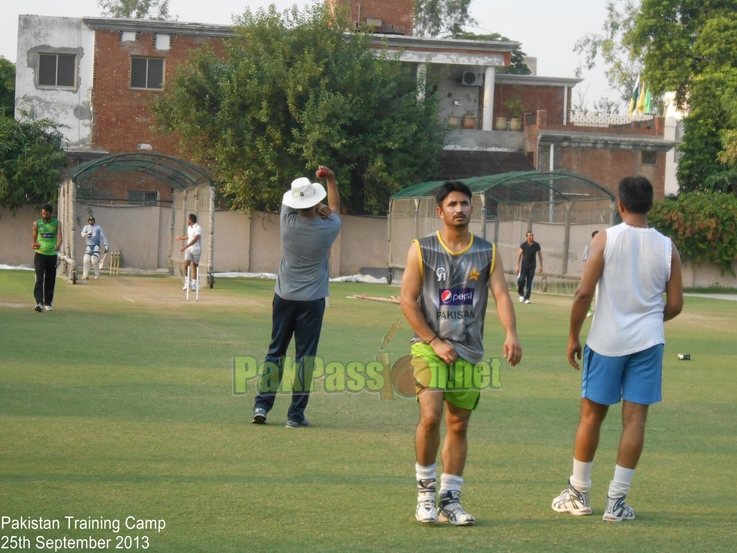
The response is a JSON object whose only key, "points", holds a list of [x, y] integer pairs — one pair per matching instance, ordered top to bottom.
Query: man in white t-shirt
{"points": [[192, 249], [623, 359]]}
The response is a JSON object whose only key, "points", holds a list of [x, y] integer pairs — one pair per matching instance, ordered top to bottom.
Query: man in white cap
{"points": [[308, 230]]}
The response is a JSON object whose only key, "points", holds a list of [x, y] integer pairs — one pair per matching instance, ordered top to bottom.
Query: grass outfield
{"points": [[119, 404]]}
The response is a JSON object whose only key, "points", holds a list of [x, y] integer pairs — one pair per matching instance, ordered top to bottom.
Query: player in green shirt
{"points": [[46, 242]]}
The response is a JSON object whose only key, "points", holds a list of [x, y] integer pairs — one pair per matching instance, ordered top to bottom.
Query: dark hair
{"points": [[452, 186], [636, 194], [47, 207], [193, 217], [90, 218], [594, 233]]}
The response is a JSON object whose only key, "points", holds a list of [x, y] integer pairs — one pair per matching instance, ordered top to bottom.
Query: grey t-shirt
{"points": [[305, 250]]}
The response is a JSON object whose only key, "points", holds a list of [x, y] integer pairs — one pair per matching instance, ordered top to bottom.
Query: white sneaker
{"points": [[185, 285], [194, 285], [521, 299], [528, 301], [48, 308], [572, 501], [450, 510], [617, 510], [426, 511]]}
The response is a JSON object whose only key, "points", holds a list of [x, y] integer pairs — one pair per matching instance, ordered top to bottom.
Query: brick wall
{"points": [[397, 13], [548, 98], [121, 116], [602, 165], [608, 167], [114, 185]]}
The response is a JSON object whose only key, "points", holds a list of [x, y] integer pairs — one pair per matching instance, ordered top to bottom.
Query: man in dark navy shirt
{"points": [[526, 270]]}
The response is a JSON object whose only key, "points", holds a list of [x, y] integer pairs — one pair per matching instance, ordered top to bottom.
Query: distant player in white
{"points": [[93, 236], [192, 249]]}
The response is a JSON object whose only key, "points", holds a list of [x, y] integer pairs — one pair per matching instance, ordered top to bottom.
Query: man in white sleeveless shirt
{"points": [[623, 358]]}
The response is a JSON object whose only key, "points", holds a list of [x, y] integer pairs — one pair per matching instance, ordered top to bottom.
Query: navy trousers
{"points": [[45, 266], [526, 275], [303, 319]]}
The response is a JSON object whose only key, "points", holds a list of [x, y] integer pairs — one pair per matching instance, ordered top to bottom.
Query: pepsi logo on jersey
{"points": [[456, 296]]}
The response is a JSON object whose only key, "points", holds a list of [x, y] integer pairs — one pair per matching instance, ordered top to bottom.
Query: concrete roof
{"points": [[534, 80], [604, 141]]}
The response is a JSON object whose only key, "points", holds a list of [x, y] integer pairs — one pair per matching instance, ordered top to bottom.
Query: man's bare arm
{"points": [[333, 194], [519, 258], [411, 288], [673, 288], [584, 296], [505, 311]]}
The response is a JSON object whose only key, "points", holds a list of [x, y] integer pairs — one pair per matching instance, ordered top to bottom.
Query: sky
{"points": [[547, 29]]}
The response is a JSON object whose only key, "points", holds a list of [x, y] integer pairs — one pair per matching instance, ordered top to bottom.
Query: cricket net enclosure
{"points": [[142, 201], [200, 201], [561, 209]]}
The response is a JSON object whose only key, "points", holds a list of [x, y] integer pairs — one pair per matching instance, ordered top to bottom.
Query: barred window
{"points": [[57, 70], [147, 73], [649, 158], [143, 195]]}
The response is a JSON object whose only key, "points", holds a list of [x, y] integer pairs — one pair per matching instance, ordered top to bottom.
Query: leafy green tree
{"points": [[136, 9], [443, 18], [690, 47], [517, 66], [622, 66], [7, 87], [291, 92], [31, 161], [702, 225]]}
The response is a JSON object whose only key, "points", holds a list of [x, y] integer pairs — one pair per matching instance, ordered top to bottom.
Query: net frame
{"points": [[199, 200], [564, 208], [67, 217]]}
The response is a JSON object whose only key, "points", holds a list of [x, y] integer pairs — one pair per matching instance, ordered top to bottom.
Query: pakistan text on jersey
{"points": [[461, 314]]}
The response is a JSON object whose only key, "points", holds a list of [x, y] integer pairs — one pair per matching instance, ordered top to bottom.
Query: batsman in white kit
{"points": [[93, 235], [192, 252]]}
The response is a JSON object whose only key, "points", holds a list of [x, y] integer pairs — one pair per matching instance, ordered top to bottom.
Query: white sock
{"points": [[426, 473], [581, 477], [450, 482], [620, 485]]}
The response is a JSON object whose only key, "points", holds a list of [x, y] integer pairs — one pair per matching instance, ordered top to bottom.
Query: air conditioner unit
{"points": [[472, 78]]}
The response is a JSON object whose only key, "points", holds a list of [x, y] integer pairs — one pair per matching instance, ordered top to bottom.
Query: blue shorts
{"points": [[635, 378]]}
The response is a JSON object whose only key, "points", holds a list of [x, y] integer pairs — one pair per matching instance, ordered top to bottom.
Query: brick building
{"points": [[99, 76]]}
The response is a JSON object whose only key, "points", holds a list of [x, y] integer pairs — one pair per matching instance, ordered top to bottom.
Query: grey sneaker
{"points": [[39, 307], [259, 416], [298, 423], [572, 501], [450, 510], [617, 510], [426, 511]]}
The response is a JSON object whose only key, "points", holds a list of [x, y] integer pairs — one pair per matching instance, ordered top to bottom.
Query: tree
{"points": [[135, 9], [443, 18], [690, 47], [517, 66], [623, 67], [7, 87], [293, 91], [31, 161]]}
